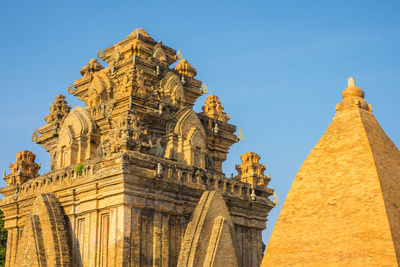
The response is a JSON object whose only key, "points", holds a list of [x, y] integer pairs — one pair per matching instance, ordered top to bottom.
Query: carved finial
{"points": [[139, 31], [100, 54], [179, 55], [184, 68], [351, 82], [71, 89], [204, 89], [352, 90], [353, 98], [214, 109], [58, 110], [216, 128], [35, 135], [240, 135], [24, 167], [159, 170], [251, 171], [275, 199]]}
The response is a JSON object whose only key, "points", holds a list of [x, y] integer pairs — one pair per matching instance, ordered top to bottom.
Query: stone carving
{"points": [[139, 31], [159, 53], [100, 54], [179, 55], [91, 67], [184, 68], [140, 82], [71, 89], [100, 89], [172, 89], [204, 89], [353, 97], [214, 109], [58, 110], [127, 134], [35, 135], [240, 135], [78, 138], [189, 140], [157, 149], [209, 163], [23, 169], [251, 171], [210, 236], [45, 240]]}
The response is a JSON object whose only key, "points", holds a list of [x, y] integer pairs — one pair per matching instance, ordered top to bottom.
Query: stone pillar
{"points": [[135, 237], [93, 238], [165, 242], [12, 244], [157, 246]]}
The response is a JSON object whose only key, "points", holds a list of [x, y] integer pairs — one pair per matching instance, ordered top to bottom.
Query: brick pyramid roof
{"points": [[344, 205]]}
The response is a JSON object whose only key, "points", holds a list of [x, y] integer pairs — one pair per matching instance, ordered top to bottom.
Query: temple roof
{"points": [[343, 206]]}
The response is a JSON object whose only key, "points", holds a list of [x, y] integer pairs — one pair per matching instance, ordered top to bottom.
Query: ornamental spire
{"points": [[353, 98]]}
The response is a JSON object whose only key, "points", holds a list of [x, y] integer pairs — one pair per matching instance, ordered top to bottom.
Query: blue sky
{"points": [[278, 66]]}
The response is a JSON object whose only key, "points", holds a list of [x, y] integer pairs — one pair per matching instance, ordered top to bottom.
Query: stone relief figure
{"points": [[141, 89], [157, 149], [209, 163]]}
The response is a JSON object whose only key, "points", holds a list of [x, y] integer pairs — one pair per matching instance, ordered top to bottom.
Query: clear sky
{"points": [[279, 67]]}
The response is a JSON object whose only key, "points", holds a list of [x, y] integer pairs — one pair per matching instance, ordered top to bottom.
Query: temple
{"points": [[136, 175], [343, 206]]}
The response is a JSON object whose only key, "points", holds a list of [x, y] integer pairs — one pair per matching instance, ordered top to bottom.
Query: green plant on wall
{"points": [[79, 168]]}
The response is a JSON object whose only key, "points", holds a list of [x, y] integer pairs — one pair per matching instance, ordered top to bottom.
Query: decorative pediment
{"points": [[158, 53], [172, 89], [78, 139], [188, 142]]}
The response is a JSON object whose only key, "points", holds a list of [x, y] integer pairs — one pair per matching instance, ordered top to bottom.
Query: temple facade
{"points": [[136, 175]]}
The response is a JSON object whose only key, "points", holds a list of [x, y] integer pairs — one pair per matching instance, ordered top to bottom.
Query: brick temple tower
{"points": [[136, 175], [343, 206]]}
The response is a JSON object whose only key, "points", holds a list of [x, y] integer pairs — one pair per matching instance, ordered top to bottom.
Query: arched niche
{"points": [[100, 89], [172, 89], [78, 139], [187, 143]]}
